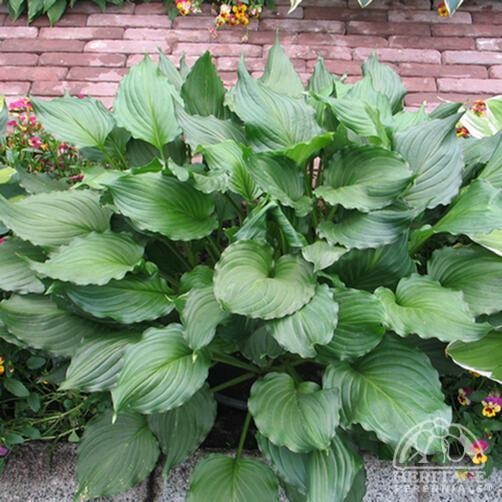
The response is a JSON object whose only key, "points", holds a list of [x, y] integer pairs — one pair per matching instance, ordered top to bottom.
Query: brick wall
{"points": [[88, 52]]}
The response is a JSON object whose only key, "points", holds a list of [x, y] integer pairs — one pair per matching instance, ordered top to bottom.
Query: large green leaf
{"points": [[168, 68], [279, 74], [385, 80], [203, 91], [144, 105], [274, 121], [82, 122], [434, 154], [493, 169], [364, 178], [281, 179], [163, 204], [52, 219], [366, 230], [491, 241], [322, 255], [92, 259], [371, 268], [472, 270], [15, 275], [248, 281], [135, 298], [422, 306], [201, 315], [38, 322], [313, 324], [359, 328], [258, 344], [483, 356], [96, 364], [160, 372], [389, 391], [300, 416], [181, 430], [114, 457], [321, 476], [218, 477]]}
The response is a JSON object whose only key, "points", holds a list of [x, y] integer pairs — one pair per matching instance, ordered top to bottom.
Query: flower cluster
{"points": [[185, 7], [237, 14], [479, 107], [492, 405], [477, 451]]}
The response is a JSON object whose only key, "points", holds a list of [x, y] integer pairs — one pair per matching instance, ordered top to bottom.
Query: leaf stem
{"points": [[419, 238], [213, 249], [233, 361], [234, 381], [244, 433]]}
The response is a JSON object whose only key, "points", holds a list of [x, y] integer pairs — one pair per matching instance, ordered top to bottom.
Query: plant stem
{"points": [[419, 238], [213, 249], [178, 255], [233, 361], [234, 381], [244, 433]]}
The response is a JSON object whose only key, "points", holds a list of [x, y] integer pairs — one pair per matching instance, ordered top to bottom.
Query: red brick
{"points": [[324, 3], [389, 4], [486, 6], [91, 7], [150, 8], [283, 11], [340, 14], [427, 16], [485, 17], [2, 18], [68, 20], [129, 20], [199, 23], [303, 25], [368, 28], [456, 30], [18, 32], [80, 33], [150, 34], [259, 37], [341, 40], [439, 43], [489, 44], [27, 45], [124, 46], [216, 50], [313, 51], [400, 55], [472, 57], [137, 58], [17, 59], [70, 59], [231, 63], [338, 67], [437, 70], [495, 72], [31, 73], [96, 74], [419, 84], [470, 86], [14, 88], [45, 88], [414, 99]]}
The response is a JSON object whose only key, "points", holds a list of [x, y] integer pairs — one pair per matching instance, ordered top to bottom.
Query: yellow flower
{"points": [[442, 10], [2, 367], [479, 458]]}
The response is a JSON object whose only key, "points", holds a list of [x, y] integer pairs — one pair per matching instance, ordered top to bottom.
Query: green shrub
{"points": [[321, 244]]}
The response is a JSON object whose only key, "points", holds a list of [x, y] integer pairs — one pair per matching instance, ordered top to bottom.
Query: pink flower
{"points": [[12, 123], [35, 142], [2, 240], [493, 400], [479, 446], [3, 451]]}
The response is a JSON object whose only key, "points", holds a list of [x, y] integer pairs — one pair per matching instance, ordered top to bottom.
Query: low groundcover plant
{"points": [[322, 243]]}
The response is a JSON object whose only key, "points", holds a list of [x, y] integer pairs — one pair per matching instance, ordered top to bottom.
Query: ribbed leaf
{"points": [[170, 71], [322, 81], [203, 91], [144, 105], [273, 121], [82, 122], [434, 155], [493, 169], [364, 178], [282, 180], [163, 204], [52, 219], [366, 230], [491, 241], [322, 254], [92, 259], [472, 270], [15, 275], [247, 281], [135, 298], [422, 306], [201, 314], [38, 322], [313, 324], [359, 327], [258, 345], [483, 356], [96, 364], [160, 372], [389, 391], [302, 417], [181, 430], [114, 457], [218, 477]]}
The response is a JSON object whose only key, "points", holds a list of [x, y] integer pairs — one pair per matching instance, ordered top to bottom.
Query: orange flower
{"points": [[442, 10], [479, 107], [462, 132], [2, 367]]}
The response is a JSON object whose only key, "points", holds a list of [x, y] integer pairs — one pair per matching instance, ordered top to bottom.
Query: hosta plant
{"points": [[314, 248]]}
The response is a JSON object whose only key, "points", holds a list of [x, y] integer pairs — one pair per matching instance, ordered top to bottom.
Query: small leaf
{"points": [[322, 255], [15, 387], [302, 417]]}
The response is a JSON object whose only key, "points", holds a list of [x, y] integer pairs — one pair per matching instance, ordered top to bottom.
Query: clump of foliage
{"points": [[325, 244]]}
